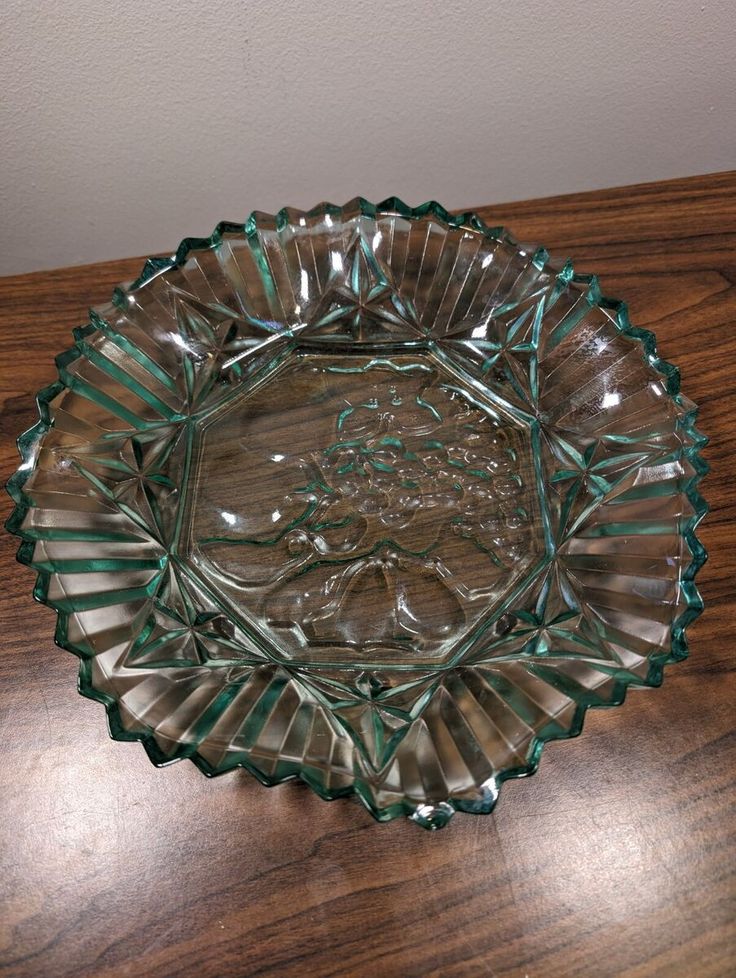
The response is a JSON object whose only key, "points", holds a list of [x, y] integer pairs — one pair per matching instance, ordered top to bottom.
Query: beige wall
{"points": [[127, 125]]}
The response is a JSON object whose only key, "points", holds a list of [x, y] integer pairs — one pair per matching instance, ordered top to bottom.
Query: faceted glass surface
{"points": [[371, 496]]}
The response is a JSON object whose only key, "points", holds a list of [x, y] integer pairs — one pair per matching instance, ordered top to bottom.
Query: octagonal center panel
{"points": [[362, 511]]}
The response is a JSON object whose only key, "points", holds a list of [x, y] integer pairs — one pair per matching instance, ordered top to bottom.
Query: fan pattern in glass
{"points": [[370, 496]]}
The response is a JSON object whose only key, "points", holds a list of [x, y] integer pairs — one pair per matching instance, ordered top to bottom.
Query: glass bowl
{"points": [[370, 496]]}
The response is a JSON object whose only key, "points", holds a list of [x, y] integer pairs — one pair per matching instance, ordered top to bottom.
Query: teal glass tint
{"points": [[370, 496]]}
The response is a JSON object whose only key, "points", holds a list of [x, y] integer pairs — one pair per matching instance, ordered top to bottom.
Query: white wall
{"points": [[130, 124]]}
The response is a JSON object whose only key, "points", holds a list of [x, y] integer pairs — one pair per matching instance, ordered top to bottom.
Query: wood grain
{"points": [[616, 860]]}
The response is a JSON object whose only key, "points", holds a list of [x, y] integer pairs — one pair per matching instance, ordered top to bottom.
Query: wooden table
{"points": [[617, 859]]}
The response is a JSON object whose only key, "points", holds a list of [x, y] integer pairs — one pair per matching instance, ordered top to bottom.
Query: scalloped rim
{"points": [[428, 816]]}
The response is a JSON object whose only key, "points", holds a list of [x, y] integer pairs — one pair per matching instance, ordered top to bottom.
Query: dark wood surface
{"points": [[617, 859]]}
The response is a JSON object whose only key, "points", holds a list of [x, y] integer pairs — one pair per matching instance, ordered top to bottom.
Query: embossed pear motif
{"points": [[396, 511]]}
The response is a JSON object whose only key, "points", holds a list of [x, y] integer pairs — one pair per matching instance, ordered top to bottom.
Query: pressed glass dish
{"points": [[370, 496]]}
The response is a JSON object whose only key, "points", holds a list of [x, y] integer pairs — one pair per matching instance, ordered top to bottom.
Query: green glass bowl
{"points": [[370, 496]]}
